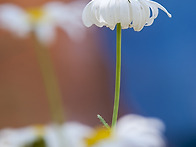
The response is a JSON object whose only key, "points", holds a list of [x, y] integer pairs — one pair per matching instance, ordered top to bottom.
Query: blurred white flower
{"points": [[130, 13], [43, 21], [130, 131], [69, 134], [17, 137]]}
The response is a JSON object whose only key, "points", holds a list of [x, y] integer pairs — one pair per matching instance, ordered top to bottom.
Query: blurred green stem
{"points": [[118, 73], [50, 82]]}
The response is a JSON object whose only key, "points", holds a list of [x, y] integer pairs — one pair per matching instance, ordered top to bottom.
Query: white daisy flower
{"points": [[129, 13], [43, 21], [130, 131], [70, 134], [17, 137]]}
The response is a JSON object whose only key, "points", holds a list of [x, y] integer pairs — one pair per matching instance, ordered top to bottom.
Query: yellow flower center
{"points": [[36, 14], [40, 130], [99, 134]]}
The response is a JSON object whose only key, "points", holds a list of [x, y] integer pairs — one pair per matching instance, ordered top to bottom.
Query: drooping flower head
{"points": [[129, 13], [42, 20]]}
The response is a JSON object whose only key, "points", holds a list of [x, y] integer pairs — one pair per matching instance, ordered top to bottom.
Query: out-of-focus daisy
{"points": [[129, 13], [43, 21], [130, 131], [69, 135], [18, 137]]}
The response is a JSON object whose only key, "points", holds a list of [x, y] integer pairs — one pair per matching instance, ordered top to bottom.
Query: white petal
{"points": [[135, 7], [161, 7], [56, 10], [145, 12], [130, 13], [108, 16], [67, 17], [89, 17], [125, 17], [14, 19], [149, 21], [45, 33], [140, 131], [72, 134], [17, 137]]}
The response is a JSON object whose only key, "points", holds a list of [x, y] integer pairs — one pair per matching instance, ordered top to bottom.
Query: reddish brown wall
{"points": [[82, 73]]}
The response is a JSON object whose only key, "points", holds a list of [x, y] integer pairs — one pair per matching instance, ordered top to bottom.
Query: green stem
{"points": [[118, 71], [50, 82], [103, 121]]}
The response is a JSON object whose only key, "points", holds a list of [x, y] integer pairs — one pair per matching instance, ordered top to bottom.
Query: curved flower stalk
{"points": [[129, 13], [43, 21], [130, 131]]}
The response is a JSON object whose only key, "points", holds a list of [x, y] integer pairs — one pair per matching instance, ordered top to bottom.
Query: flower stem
{"points": [[118, 72], [50, 82], [103, 121]]}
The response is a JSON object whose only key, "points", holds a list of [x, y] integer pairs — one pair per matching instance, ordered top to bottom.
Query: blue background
{"points": [[159, 70]]}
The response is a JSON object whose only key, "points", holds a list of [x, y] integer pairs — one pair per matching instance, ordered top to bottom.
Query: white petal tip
{"points": [[169, 15], [87, 25]]}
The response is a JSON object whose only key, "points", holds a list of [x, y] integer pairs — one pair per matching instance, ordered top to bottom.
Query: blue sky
{"points": [[159, 69]]}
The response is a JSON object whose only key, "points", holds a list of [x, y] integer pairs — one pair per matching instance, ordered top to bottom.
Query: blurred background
{"points": [[81, 70], [159, 70], [158, 74]]}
